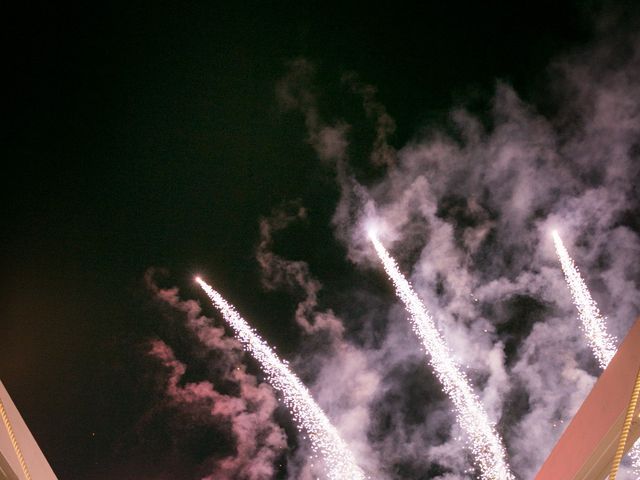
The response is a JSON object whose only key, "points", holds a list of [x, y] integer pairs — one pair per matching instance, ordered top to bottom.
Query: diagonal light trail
{"points": [[601, 342], [325, 440], [486, 444]]}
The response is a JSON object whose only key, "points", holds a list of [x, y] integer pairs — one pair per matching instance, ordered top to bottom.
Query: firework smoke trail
{"points": [[602, 344], [486, 444], [339, 461]]}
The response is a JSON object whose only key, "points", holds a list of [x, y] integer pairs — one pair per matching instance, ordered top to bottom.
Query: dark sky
{"points": [[145, 136]]}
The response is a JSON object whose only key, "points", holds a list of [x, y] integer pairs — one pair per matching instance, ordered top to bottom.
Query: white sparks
{"points": [[602, 344], [486, 444], [634, 453], [340, 463]]}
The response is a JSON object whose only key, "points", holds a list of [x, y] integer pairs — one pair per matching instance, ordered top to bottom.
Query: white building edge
{"points": [[20, 457]]}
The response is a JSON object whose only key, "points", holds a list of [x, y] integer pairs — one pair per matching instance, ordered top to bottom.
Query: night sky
{"points": [[145, 144]]}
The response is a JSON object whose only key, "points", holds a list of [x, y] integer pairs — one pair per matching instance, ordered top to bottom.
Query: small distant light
{"points": [[198, 279]]}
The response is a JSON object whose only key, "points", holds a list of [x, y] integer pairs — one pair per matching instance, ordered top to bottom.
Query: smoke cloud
{"points": [[468, 211], [278, 272], [242, 417]]}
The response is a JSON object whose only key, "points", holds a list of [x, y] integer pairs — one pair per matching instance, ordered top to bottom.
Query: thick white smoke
{"points": [[470, 214], [486, 444]]}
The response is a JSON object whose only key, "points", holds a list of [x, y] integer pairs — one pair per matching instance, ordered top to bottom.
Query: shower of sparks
{"points": [[602, 344], [325, 440], [486, 444], [634, 453]]}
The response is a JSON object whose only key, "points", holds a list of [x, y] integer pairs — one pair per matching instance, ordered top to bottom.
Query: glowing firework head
{"points": [[371, 227], [602, 344], [325, 440], [486, 444]]}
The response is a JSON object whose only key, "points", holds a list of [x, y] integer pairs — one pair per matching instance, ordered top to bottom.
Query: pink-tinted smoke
{"points": [[259, 440]]}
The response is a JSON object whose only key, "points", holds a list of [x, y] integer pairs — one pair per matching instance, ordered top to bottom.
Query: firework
{"points": [[593, 323], [602, 344], [325, 440], [486, 444]]}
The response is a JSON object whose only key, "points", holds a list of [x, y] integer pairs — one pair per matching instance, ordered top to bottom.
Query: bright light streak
{"points": [[602, 344], [486, 444], [340, 463]]}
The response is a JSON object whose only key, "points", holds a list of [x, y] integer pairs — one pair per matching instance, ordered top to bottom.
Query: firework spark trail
{"points": [[602, 344], [486, 444], [339, 461]]}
